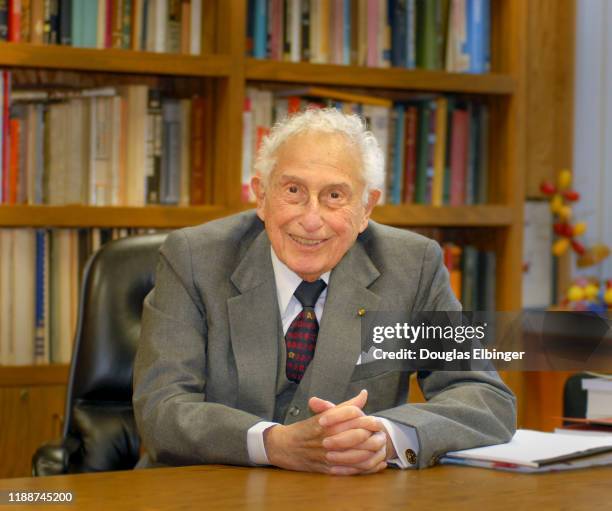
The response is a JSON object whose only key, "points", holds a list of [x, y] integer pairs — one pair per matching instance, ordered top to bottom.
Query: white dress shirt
{"points": [[403, 437]]}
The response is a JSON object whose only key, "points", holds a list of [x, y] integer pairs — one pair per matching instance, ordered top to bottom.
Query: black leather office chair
{"points": [[99, 429]]}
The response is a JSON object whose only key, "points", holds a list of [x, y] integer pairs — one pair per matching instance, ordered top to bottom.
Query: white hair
{"points": [[326, 120]]}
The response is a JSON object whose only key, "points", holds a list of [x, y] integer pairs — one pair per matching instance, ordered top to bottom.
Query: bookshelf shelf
{"points": [[110, 60], [379, 78], [92, 216], [444, 216], [17, 376]]}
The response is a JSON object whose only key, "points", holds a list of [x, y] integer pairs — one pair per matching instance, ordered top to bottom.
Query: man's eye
{"points": [[293, 189], [334, 195]]}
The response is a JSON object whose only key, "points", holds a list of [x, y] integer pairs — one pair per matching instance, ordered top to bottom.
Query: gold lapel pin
{"points": [[361, 311]]}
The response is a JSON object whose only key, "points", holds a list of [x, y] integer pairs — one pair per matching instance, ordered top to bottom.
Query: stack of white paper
{"points": [[535, 451]]}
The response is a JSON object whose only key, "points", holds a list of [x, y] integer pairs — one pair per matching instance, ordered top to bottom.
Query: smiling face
{"points": [[312, 203]]}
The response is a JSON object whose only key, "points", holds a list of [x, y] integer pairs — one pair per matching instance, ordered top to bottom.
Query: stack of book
{"points": [[170, 26], [453, 35], [113, 146], [436, 146], [40, 273], [472, 275], [599, 398]]}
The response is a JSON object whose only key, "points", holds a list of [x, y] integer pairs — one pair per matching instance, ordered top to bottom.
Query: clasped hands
{"points": [[338, 439]]}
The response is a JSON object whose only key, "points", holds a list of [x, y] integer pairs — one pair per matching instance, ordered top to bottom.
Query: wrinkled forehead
{"points": [[333, 149]]}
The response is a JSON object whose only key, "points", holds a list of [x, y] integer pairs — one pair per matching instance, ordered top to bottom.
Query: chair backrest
{"points": [[99, 398]]}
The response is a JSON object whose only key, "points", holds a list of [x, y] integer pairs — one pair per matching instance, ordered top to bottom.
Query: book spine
{"points": [[4, 20], [117, 20], [14, 21], [37, 21], [76, 23], [90, 23], [101, 24], [126, 24], [185, 26], [173, 27], [196, 27], [275, 29], [65, 30], [295, 30], [411, 30], [260, 31], [305, 31], [346, 32], [398, 33], [372, 34], [476, 36], [5, 77], [423, 136], [459, 142], [153, 147], [197, 147], [440, 151], [171, 152], [247, 153], [411, 153], [398, 160], [185, 168], [40, 347]]}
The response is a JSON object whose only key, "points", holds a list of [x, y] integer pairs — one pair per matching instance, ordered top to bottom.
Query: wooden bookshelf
{"points": [[25, 55], [378, 78], [409, 215], [108, 216], [18, 376]]}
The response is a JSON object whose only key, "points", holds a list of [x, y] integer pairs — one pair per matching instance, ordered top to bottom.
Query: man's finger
{"points": [[359, 400], [318, 405], [340, 414], [364, 422], [346, 439], [374, 443], [349, 457]]}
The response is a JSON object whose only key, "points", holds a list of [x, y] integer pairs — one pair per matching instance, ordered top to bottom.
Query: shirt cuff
{"points": [[405, 441], [255, 443]]}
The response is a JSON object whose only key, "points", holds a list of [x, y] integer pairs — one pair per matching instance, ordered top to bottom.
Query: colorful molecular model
{"points": [[587, 294]]}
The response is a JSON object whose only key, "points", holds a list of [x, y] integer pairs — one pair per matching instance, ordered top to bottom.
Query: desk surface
{"points": [[221, 487]]}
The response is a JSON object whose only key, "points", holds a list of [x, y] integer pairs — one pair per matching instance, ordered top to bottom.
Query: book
{"points": [[599, 398], [535, 451]]}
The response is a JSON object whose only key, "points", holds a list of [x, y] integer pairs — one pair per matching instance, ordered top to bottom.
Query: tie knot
{"points": [[308, 292]]}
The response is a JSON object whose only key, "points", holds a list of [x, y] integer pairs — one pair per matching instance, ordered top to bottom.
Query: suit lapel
{"points": [[253, 318], [339, 339]]}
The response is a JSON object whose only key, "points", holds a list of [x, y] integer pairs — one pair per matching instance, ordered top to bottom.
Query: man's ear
{"points": [[259, 191], [373, 199]]}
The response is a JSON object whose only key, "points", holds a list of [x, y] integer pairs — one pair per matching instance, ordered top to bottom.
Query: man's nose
{"points": [[311, 220]]}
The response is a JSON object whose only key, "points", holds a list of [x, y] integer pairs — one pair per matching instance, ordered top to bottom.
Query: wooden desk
{"points": [[221, 487]]}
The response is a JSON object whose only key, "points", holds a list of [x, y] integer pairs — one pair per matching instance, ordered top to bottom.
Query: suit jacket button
{"points": [[294, 411], [411, 456]]}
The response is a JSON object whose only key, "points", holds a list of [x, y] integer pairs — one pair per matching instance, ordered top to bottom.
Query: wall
{"points": [[593, 125]]}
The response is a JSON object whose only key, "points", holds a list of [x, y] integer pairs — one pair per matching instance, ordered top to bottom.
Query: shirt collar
{"points": [[287, 281]]}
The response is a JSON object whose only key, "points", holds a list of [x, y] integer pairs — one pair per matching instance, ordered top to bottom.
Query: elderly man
{"points": [[251, 338]]}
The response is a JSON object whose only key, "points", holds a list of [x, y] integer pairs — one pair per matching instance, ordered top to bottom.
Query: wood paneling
{"points": [[123, 61], [304, 73], [550, 90], [31, 415]]}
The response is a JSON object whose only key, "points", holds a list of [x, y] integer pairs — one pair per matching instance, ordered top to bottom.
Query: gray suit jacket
{"points": [[207, 363]]}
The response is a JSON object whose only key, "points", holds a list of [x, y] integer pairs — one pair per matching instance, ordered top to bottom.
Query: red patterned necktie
{"points": [[301, 336]]}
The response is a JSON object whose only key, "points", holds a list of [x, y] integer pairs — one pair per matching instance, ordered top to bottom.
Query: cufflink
{"points": [[411, 456]]}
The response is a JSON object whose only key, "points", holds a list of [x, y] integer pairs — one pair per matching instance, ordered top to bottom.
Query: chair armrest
{"points": [[54, 458]]}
